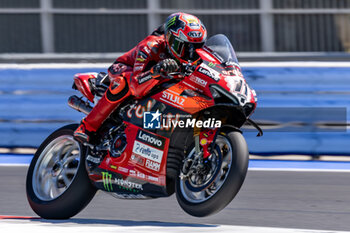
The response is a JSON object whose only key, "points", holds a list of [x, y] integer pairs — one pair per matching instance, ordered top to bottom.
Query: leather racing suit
{"points": [[136, 64]]}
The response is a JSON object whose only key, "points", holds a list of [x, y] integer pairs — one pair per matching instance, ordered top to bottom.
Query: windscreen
{"points": [[221, 47]]}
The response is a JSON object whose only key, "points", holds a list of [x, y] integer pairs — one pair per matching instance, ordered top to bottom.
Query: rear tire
{"points": [[228, 189], [53, 191]]}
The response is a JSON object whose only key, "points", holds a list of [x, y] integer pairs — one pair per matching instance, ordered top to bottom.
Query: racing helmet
{"points": [[184, 33]]}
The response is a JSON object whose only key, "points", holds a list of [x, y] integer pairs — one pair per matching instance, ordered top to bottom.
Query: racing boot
{"points": [[116, 93], [81, 134]]}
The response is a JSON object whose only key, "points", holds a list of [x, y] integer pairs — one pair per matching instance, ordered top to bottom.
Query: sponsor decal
{"points": [[190, 19], [171, 22], [194, 25], [195, 34], [147, 50], [142, 54], [231, 63], [211, 65], [138, 68], [229, 72], [208, 73], [144, 77], [199, 81], [193, 87], [174, 98], [139, 109], [151, 120], [150, 139], [149, 147], [147, 152], [93, 159], [137, 159], [152, 165], [113, 167], [123, 169], [132, 172], [137, 174], [141, 175], [153, 178], [107, 181], [128, 184], [129, 196]]}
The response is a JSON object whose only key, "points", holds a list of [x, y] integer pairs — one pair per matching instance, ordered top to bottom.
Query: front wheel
{"points": [[58, 186], [207, 191]]}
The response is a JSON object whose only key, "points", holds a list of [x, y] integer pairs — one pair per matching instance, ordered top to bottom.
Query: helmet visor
{"points": [[184, 50]]}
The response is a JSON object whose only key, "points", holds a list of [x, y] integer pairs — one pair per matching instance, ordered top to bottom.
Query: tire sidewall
{"points": [[232, 184], [75, 197]]}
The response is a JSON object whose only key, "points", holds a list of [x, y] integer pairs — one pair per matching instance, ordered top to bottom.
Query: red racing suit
{"points": [[129, 75]]}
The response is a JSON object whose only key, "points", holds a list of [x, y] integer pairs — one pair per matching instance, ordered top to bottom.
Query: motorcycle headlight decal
{"points": [[224, 96]]}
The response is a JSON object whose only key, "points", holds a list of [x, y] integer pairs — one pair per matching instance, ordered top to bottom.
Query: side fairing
{"points": [[185, 97], [140, 172]]}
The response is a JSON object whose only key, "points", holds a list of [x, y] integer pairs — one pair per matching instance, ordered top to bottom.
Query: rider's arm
{"points": [[144, 62], [149, 63]]}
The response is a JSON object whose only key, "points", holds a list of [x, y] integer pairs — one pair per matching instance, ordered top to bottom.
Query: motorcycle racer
{"points": [[156, 56], [201, 155]]}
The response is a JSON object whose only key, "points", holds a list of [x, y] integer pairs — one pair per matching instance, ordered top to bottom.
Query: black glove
{"points": [[164, 67]]}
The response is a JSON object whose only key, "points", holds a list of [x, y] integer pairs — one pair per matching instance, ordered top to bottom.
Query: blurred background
{"points": [[105, 26], [294, 53]]}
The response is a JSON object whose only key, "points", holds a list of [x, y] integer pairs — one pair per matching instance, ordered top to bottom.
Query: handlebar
{"points": [[185, 69]]}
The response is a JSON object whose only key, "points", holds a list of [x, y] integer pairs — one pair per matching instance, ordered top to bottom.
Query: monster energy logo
{"points": [[171, 22], [212, 65], [107, 181]]}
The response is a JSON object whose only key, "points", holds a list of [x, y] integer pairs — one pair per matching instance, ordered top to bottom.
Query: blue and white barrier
{"points": [[33, 103]]}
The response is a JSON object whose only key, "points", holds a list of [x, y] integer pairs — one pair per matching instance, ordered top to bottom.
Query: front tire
{"points": [[227, 182], [58, 186]]}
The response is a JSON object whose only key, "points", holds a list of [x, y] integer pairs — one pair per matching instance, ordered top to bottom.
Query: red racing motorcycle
{"points": [[183, 137]]}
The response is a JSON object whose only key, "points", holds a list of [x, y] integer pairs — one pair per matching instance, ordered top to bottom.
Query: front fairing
{"points": [[220, 68], [231, 79]]}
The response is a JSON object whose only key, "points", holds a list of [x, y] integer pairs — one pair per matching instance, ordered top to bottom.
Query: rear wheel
{"points": [[58, 186], [207, 189]]}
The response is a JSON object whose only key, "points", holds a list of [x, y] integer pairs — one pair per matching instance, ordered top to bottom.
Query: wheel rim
{"points": [[224, 145], [56, 168]]}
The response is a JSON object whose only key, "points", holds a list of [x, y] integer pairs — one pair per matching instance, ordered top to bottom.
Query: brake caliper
{"points": [[206, 138]]}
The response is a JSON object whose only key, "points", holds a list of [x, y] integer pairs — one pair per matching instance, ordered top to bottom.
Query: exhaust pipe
{"points": [[78, 104]]}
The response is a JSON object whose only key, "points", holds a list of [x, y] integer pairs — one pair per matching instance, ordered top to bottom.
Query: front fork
{"points": [[204, 138]]}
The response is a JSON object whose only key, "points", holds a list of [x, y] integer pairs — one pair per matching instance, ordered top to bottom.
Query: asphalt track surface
{"points": [[286, 199]]}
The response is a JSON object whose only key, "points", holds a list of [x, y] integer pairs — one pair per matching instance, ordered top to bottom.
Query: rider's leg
{"points": [[116, 93]]}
